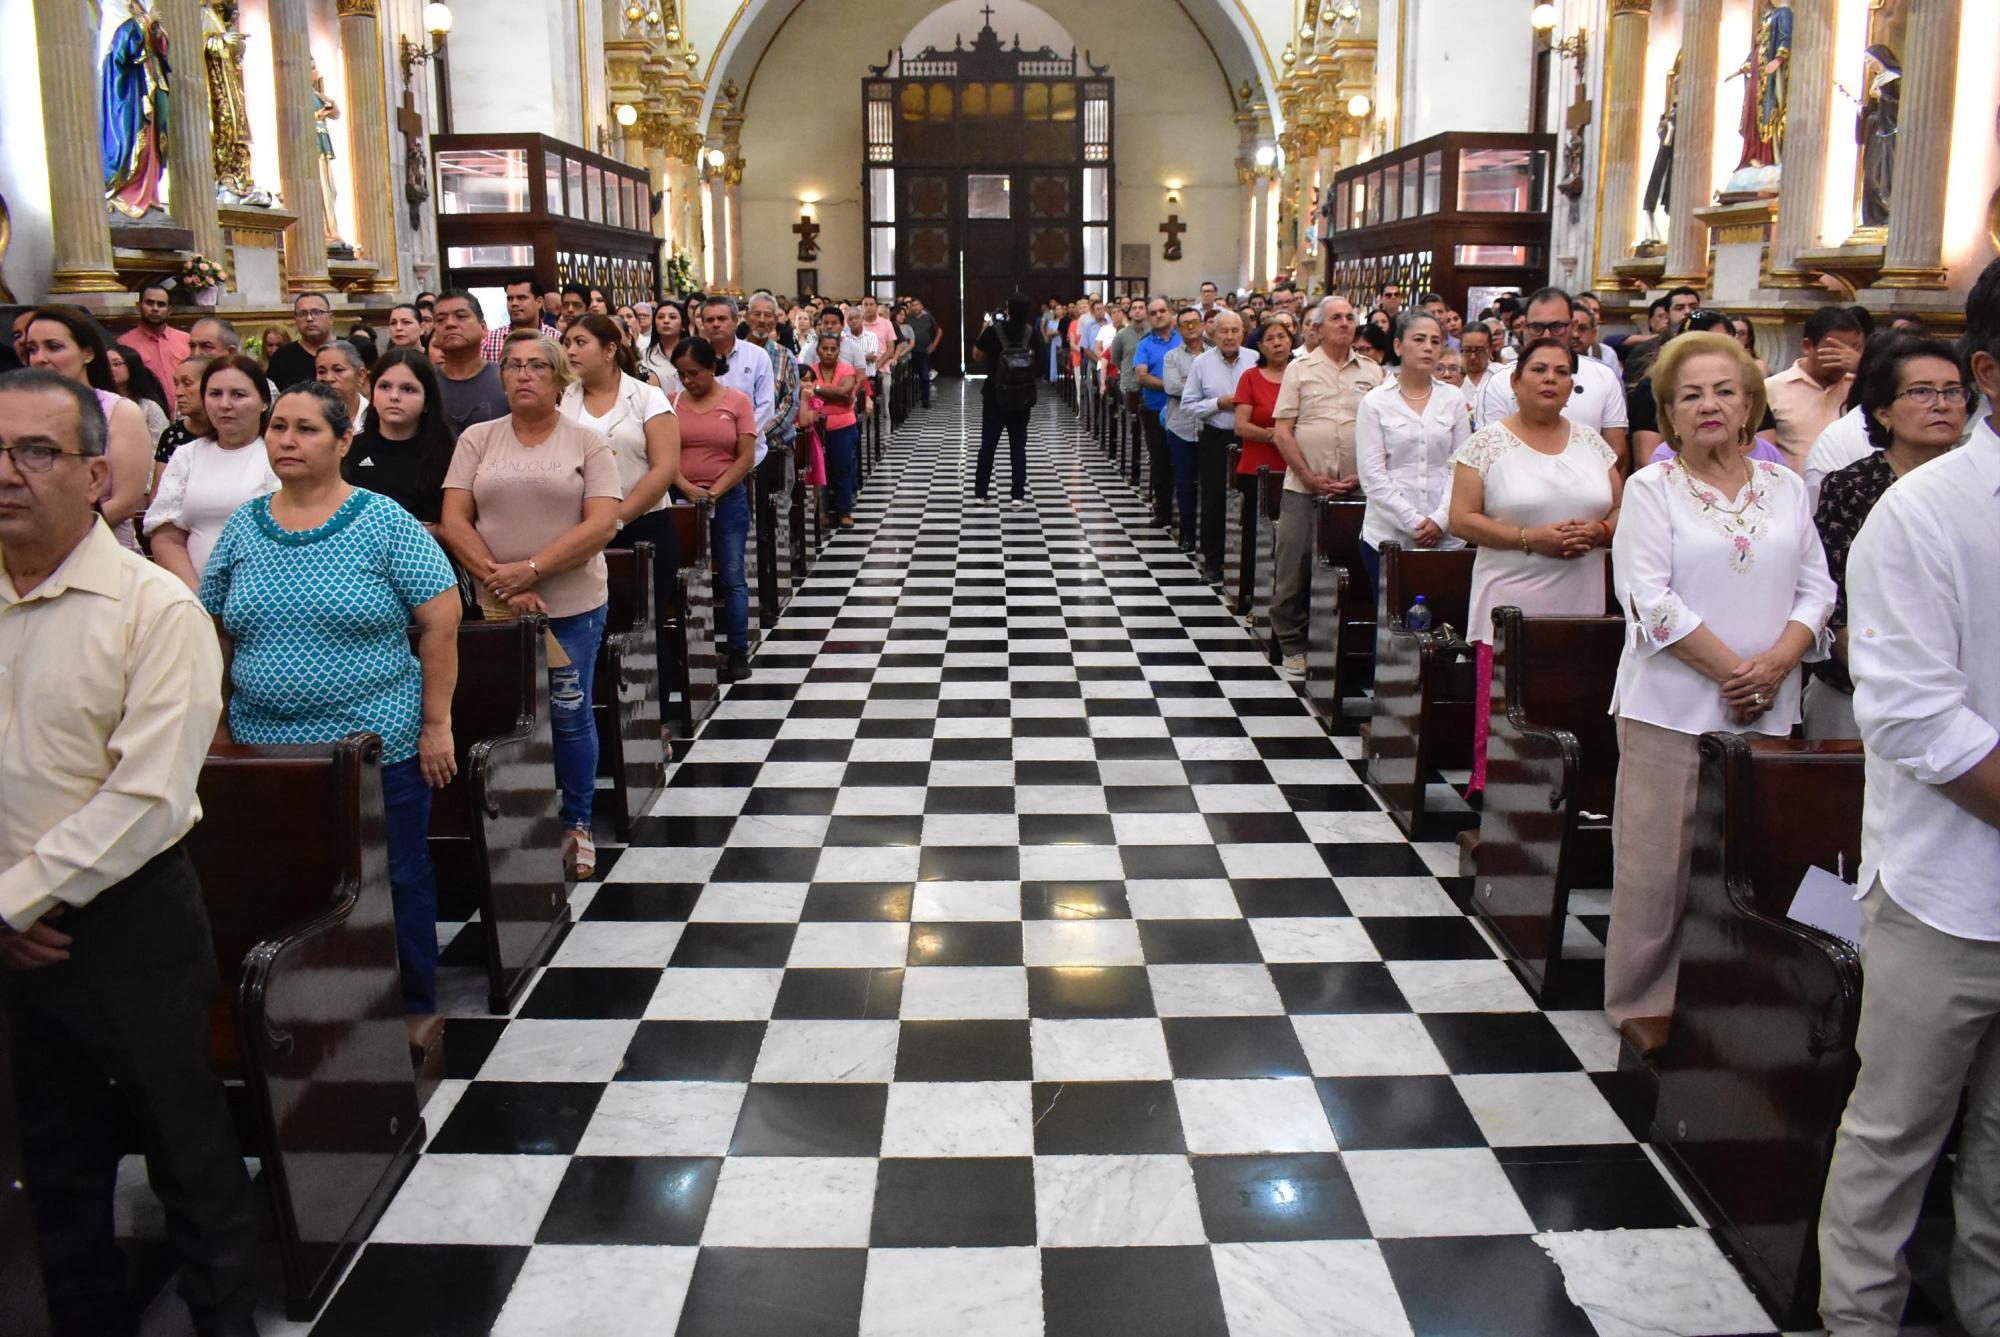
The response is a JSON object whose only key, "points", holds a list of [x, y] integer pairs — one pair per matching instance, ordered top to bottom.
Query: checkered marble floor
{"points": [[1015, 954]]}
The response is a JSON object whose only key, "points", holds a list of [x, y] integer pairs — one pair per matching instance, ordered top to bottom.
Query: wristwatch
{"points": [[536, 569]]}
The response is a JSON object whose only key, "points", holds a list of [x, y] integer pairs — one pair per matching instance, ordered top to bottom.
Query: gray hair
{"points": [[761, 295], [720, 299], [324, 300], [647, 307], [1325, 307], [1409, 316], [230, 338], [550, 348], [348, 351], [331, 406], [93, 432]]}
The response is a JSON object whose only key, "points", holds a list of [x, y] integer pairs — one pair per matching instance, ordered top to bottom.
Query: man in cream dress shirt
{"points": [[110, 689]]}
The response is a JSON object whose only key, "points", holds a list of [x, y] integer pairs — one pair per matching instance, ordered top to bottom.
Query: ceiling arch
{"points": [[1225, 25]]}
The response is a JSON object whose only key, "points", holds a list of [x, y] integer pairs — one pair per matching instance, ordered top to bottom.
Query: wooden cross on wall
{"points": [[417, 172], [1173, 227], [808, 237]]}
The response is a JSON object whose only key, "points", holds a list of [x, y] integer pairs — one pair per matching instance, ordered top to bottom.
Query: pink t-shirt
{"points": [[885, 338], [837, 415], [709, 435], [528, 496]]}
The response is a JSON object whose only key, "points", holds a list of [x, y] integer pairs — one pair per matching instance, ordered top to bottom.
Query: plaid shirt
{"points": [[496, 344], [784, 427]]}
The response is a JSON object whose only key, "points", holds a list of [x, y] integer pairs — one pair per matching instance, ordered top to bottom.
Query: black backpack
{"points": [[1014, 378]]}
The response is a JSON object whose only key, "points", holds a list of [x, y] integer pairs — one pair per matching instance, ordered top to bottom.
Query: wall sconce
{"points": [[1543, 17], [437, 22], [1359, 106], [625, 114], [1266, 155], [715, 158], [1173, 192], [807, 203]]}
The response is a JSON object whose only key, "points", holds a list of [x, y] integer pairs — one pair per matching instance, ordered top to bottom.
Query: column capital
{"points": [[1641, 8], [355, 9]]}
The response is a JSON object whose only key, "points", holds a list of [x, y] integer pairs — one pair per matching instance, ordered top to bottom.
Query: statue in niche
{"points": [[135, 92], [1766, 92], [228, 109], [324, 110], [1875, 128], [1661, 183]]}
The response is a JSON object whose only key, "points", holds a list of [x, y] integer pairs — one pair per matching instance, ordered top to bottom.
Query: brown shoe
{"points": [[1646, 1036]]}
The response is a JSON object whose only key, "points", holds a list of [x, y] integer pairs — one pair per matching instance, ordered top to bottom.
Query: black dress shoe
{"points": [[737, 666]]}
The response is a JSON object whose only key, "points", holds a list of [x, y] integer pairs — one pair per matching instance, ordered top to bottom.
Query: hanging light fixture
{"points": [[1542, 18]]}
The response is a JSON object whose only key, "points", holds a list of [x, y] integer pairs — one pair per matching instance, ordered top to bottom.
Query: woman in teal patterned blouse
{"points": [[315, 588]]}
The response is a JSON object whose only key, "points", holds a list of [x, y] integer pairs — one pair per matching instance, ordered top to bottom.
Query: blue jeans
{"points": [[920, 367], [843, 446], [1182, 452], [730, 532], [1371, 562], [574, 727], [406, 802]]}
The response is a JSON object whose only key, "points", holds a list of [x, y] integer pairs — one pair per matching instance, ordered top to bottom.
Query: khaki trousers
{"points": [[1292, 559], [1652, 841], [1930, 1025]]}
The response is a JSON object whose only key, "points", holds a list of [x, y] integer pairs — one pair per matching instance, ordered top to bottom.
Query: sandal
{"points": [[579, 847]]}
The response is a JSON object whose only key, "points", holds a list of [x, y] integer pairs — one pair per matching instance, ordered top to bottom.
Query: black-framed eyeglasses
{"points": [[1543, 327], [1927, 396], [36, 459]]}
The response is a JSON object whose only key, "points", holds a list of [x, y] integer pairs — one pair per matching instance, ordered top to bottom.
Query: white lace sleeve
{"points": [[1598, 446], [1484, 447], [170, 496]]}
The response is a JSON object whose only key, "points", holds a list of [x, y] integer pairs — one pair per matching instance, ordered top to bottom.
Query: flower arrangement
{"points": [[201, 273], [680, 273]]}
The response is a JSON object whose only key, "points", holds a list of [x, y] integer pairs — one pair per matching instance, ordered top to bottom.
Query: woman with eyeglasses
{"points": [[69, 343], [1914, 397], [206, 480], [530, 502]]}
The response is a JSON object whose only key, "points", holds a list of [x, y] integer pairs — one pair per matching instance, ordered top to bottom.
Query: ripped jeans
{"points": [[574, 726]]}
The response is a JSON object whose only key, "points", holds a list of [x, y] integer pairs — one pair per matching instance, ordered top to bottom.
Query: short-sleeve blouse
{"points": [[1259, 393], [624, 426], [709, 434], [201, 488], [1525, 488], [320, 622]]}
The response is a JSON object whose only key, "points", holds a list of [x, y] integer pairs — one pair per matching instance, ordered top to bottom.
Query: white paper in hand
{"points": [[1828, 904]]}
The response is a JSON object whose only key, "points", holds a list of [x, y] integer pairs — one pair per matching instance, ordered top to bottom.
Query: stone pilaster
{"points": [[73, 123], [368, 130], [1694, 140], [298, 147], [1622, 147], [190, 153], [1802, 185], [1913, 255]]}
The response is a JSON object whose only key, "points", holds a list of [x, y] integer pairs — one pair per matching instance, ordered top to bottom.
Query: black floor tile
{"points": [[810, 749], [972, 749], [1137, 749], [896, 773], [1043, 773], [715, 774], [1150, 798], [1330, 798], [959, 799], [782, 801], [1081, 828], [1246, 828], [906, 829], [682, 831], [1377, 860], [1170, 862], [756, 863], [970, 863], [1288, 897], [1074, 900], [655, 901], [858, 901], [1427, 938], [1181, 942], [965, 944], [734, 945], [1338, 986], [1089, 991], [591, 993], [874, 994], [467, 1042], [1474, 1042], [1234, 1047], [692, 1051], [964, 1051], [1397, 1113], [518, 1119], [811, 1119], [1107, 1119], [1591, 1188], [1253, 1199], [631, 1200], [987, 1202], [1499, 1285], [427, 1288], [775, 1293], [1131, 1293]]}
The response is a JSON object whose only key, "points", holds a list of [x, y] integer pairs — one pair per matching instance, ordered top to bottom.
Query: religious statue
{"points": [[136, 79], [1766, 92], [228, 108], [324, 110], [1875, 128], [1661, 183]]}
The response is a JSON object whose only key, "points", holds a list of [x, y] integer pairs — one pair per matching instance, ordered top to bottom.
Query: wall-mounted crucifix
{"points": [[1173, 227], [808, 237]]}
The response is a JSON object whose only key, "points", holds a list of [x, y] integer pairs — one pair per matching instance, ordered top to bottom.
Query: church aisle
{"points": [[1014, 953]]}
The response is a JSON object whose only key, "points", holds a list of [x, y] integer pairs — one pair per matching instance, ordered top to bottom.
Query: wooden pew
{"points": [[772, 522], [808, 523], [1239, 528], [1261, 557], [686, 626], [1340, 626], [1419, 727], [631, 741], [1551, 757], [496, 829], [308, 1027], [1760, 1057], [23, 1311]]}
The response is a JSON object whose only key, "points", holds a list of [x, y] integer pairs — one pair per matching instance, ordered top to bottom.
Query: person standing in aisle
{"points": [[1010, 352]]}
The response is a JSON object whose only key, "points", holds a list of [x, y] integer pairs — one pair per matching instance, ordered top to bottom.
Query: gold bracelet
{"points": [[1524, 540]]}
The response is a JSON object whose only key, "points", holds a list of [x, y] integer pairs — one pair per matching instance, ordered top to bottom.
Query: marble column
{"points": [[367, 113], [73, 126], [1694, 141], [1623, 145], [298, 148], [190, 150], [1246, 176], [1802, 186], [731, 222], [1913, 255]]}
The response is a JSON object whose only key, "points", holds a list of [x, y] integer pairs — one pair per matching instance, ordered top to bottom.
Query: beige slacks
{"points": [[1829, 712], [1652, 841], [1930, 1024]]}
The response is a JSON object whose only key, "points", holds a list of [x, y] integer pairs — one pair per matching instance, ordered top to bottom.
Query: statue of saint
{"points": [[136, 79], [1767, 87], [228, 109], [324, 110], [1875, 128], [1660, 184]]}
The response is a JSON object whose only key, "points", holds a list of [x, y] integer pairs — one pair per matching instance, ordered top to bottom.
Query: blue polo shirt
{"points": [[1151, 357]]}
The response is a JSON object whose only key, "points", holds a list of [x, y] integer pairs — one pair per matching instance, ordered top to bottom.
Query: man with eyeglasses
{"points": [[1391, 300], [312, 316], [471, 385], [1598, 399], [106, 963]]}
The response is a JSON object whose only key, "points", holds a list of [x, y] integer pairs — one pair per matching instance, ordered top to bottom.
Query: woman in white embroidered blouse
{"points": [[1405, 433], [1539, 494], [1719, 570]]}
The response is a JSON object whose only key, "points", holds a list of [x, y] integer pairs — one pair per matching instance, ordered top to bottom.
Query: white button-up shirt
{"points": [[1210, 378], [1598, 401], [1843, 442], [1403, 457], [1923, 646]]}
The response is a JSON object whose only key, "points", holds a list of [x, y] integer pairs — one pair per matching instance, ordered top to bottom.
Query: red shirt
{"points": [[162, 352], [1259, 393]]}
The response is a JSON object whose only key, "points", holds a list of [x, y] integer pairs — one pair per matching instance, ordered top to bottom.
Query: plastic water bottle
{"points": [[1419, 616]]}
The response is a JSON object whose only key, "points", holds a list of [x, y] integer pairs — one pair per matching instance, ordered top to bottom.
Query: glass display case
{"points": [[526, 202]]}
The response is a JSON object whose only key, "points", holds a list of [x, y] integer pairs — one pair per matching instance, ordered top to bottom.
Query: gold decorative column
{"points": [[73, 126], [368, 131], [1694, 138], [1622, 146], [298, 148], [190, 151], [1802, 184], [1913, 255]]}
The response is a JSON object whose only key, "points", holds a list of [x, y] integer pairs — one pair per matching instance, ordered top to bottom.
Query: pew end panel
{"points": [[1239, 523], [1340, 627], [690, 663], [1418, 727], [631, 741], [1551, 759], [496, 829], [301, 913], [1760, 1058]]}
